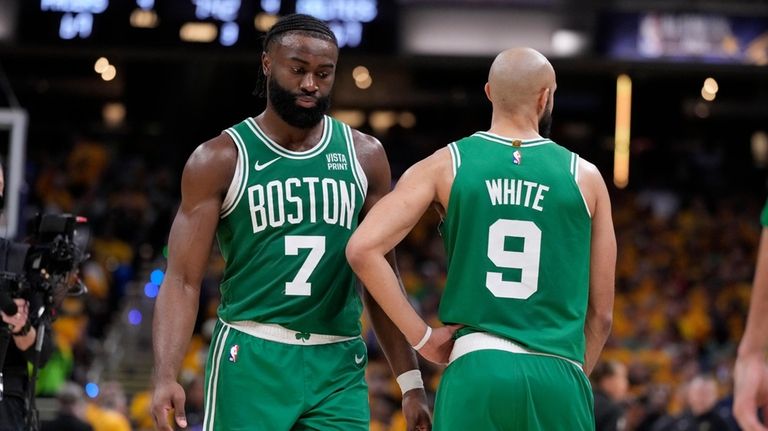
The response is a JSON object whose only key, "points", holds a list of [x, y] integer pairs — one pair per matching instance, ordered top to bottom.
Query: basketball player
{"points": [[282, 192], [531, 260], [751, 371]]}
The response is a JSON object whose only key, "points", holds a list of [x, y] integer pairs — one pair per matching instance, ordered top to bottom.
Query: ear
{"points": [[266, 64], [488, 91], [543, 101]]}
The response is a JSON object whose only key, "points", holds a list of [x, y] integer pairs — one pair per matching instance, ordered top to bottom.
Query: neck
{"points": [[514, 125], [286, 135]]}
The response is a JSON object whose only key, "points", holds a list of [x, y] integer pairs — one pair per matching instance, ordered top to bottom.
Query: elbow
{"points": [[355, 252], [602, 322]]}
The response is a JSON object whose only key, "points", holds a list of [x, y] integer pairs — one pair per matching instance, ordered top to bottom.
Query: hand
{"points": [[17, 321], [440, 344], [750, 391], [168, 395], [416, 410]]}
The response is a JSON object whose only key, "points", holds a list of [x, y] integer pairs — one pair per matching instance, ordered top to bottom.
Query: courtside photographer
{"points": [[35, 276]]}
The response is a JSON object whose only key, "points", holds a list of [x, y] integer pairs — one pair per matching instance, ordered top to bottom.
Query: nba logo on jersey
{"points": [[517, 157], [233, 353]]}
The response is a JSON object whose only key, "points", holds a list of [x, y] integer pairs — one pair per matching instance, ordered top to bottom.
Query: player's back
{"points": [[517, 235]]}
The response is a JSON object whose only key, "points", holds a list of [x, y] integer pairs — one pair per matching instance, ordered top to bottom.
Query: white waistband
{"points": [[277, 333], [484, 341]]}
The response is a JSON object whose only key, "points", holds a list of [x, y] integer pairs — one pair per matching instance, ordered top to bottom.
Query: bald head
{"points": [[518, 79]]}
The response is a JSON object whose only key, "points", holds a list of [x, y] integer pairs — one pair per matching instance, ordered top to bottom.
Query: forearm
{"points": [[381, 282], [174, 320], [596, 330], [28, 341], [25, 342], [398, 352]]}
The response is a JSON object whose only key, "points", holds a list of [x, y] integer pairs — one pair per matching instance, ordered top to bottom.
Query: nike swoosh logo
{"points": [[260, 167], [359, 360]]}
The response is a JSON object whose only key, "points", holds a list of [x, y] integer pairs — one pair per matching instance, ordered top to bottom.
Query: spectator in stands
{"points": [[610, 385], [701, 397], [71, 411]]}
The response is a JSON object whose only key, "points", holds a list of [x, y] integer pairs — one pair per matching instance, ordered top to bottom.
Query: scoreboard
{"points": [[358, 24]]}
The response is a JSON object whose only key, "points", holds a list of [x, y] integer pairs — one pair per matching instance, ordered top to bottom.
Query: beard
{"points": [[284, 103], [545, 124]]}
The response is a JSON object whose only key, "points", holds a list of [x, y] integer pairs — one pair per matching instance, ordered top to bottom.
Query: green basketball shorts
{"points": [[265, 377], [489, 387]]}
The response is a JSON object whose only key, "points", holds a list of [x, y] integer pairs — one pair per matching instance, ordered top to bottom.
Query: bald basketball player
{"points": [[531, 261]]}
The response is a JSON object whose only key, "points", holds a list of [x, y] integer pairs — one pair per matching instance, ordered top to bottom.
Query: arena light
{"points": [[141, 18], [264, 21], [198, 32], [101, 65], [109, 73], [360, 73], [364, 84], [710, 85], [706, 95], [113, 113], [354, 117], [407, 120], [623, 120], [381, 121], [759, 144], [157, 277], [151, 290], [134, 317], [92, 390]]}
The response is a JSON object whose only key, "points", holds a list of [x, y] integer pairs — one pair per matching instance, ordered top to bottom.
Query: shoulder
{"points": [[367, 147], [214, 152], [212, 162], [436, 167], [589, 171], [592, 186]]}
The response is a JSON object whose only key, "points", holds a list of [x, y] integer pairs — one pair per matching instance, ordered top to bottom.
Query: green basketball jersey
{"points": [[764, 216], [285, 223], [517, 235]]}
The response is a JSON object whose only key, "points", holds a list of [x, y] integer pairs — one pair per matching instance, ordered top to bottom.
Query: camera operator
{"points": [[17, 338], [21, 350]]}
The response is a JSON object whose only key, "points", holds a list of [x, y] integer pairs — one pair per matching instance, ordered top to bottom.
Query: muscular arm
{"points": [[206, 177], [383, 228], [602, 271], [399, 354]]}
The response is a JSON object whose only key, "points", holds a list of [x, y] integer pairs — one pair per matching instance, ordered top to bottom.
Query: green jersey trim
{"points": [[325, 139], [506, 141], [455, 157], [357, 169], [575, 172], [239, 179], [213, 379]]}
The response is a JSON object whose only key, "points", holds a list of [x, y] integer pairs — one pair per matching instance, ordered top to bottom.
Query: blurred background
{"points": [[101, 102]]}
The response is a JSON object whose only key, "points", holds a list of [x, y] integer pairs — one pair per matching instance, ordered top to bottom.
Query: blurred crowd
{"points": [[685, 264]]}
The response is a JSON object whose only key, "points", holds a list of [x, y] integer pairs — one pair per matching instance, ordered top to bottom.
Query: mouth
{"points": [[306, 101]]}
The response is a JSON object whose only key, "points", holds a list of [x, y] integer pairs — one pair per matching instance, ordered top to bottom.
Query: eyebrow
{"points": [[302, 61]]}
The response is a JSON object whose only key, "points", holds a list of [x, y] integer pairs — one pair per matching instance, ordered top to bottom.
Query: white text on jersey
{"points": [[336, 161], [507, 191], [278, 202]]}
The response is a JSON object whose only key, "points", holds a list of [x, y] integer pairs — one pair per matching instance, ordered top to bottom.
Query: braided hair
{"points": [[297, 23]]}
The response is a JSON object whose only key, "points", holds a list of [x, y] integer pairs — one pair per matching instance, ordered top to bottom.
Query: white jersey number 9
{"points": [[527, 260]]}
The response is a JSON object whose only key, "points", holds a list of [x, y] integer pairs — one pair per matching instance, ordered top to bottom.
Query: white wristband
{"points": [[424, 339], [410, 380]]}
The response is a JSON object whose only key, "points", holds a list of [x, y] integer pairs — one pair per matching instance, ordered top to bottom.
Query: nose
{"points": [[308, 84]]}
